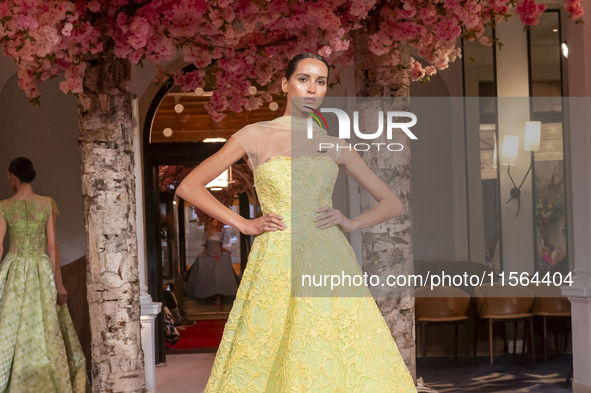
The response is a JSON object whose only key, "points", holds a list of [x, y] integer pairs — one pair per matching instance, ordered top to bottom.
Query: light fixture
{"points": [[555, 30], [564, 48], [252, 90], [199, 91], [273, 106], [179, 108], [487, 127], [167, 132], [533, 132], [212, 140], [495, 151], [509, 151], [221, 181]]}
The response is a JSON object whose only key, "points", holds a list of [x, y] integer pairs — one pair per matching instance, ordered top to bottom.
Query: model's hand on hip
{"points": [[331, 217], [268, 223]]}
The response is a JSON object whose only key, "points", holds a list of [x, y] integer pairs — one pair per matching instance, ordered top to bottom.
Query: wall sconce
{"points": [[564, 48], [533, 132], [495, 150]]}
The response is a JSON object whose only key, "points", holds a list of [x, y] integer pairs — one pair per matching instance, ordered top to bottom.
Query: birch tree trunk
{"points": [[108, 191], [387, 248]]}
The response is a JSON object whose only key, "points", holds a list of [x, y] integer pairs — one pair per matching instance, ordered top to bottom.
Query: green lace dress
{"points": [[39, 349]]}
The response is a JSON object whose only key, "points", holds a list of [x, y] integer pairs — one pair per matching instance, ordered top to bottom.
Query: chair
{"points": [[504, 303], [550, 304], [441, 305]]}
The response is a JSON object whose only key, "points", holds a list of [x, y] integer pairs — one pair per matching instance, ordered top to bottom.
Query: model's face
{"points": [[309, 82], [215, 223]]}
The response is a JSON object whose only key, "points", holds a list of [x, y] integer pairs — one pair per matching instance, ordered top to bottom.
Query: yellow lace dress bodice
{"points": [[282, 338]]}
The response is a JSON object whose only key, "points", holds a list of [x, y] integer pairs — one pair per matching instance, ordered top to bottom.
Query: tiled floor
{"points": [[184, 373], [189, 373], [506, 375]]}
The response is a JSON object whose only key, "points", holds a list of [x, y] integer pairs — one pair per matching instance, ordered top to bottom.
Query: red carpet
{"points": [[203, 334]]}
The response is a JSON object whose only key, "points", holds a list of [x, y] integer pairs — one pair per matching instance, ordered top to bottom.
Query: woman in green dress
{"points": [[39, 349]]}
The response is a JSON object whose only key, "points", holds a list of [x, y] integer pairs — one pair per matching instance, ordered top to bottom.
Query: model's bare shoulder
{"points": [[333, 146]]}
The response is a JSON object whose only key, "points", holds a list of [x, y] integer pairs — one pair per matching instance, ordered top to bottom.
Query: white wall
{"points": [[439, 205]]}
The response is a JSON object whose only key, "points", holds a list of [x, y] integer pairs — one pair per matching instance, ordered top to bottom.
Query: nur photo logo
{"points": [[316, 116], [344, 122]]}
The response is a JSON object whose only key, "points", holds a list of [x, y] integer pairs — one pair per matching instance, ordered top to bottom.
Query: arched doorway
{"points": [[176, 139]]}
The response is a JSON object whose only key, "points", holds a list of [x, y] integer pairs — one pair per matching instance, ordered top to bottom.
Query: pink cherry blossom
{"points": [[94, 6], [575, 8], [529, 12], [67, 30], [484, 40], [236, 43], [416, 70]]}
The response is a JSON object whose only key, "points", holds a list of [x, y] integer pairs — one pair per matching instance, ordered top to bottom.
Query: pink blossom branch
{"points": [[237, 43]]}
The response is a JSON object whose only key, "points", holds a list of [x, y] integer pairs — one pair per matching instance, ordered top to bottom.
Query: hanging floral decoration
{"points": [[236, 44], [170, 176]]}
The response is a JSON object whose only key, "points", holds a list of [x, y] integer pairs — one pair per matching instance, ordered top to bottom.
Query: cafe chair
{"points": [[504, 303], [551, 304], [438, 306]]}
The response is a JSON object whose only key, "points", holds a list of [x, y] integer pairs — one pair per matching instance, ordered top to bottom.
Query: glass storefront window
{"points": [[546, 88]]}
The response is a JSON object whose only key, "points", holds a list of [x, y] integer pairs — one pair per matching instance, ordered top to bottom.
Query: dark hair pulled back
{"points": [[293, 63], [22, 168]]}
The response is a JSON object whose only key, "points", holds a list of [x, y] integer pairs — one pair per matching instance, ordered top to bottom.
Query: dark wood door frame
{"points": [[155, 155]]}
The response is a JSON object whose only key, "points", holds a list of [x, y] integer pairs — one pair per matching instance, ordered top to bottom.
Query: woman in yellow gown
{"points": [[283, 336]]}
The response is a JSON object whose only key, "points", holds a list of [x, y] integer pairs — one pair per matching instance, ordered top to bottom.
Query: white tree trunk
{"points": [[108, 191], [387, 248]]}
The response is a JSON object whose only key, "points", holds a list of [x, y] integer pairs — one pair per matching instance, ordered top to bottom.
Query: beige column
{"points": [[578, 38]]}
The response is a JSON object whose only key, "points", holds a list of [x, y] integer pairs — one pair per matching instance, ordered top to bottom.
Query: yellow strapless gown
{"points": [[278, 343]]}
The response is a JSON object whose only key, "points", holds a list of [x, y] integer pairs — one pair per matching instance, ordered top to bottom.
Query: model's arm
{"points": [[192, 189], [389, 206], [2, 234], [55, 257]]}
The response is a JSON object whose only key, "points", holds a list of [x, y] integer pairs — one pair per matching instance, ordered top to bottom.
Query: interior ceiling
{"points": [[543, 33], [194, 124]]}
